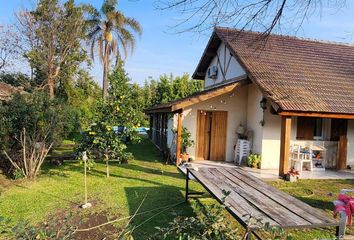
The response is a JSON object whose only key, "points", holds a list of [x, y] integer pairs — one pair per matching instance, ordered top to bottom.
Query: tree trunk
{"points": [[117, 60], [105, 71], [51, 87], [107, 166]]}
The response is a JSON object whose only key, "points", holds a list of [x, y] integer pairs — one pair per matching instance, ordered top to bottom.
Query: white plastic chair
{"points": [[242, 150], [299, 158]]}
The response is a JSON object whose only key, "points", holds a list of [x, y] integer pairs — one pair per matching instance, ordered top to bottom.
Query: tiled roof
{"points": [[296, 74], [7, 90]]}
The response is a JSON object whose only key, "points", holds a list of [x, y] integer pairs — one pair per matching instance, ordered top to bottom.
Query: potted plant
{"points": [[186, 143], [254, 160], [292, 175]]}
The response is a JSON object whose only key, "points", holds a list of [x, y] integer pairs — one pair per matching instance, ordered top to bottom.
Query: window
{"points": [[309, 128]]}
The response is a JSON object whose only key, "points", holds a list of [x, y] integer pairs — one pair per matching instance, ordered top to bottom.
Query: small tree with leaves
{"points": [[101, 139]]}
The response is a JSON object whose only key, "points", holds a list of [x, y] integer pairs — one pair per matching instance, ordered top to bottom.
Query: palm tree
{"points": [[112, 33]]}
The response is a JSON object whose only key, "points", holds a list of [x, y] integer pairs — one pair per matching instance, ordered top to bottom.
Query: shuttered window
{"points": [[308, 127]]}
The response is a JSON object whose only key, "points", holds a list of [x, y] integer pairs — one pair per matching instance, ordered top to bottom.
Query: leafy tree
{"points": [[54, 33], [112, 33], [169, 88], [164, 90], [147, 91], [81, 94], [122, 101]]}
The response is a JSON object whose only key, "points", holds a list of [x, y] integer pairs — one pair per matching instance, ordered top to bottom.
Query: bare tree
{"points": [[261, 15], [25, 27], [9, 42], [34, 150]]}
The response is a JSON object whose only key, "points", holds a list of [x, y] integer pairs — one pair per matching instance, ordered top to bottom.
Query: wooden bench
{"points": [[250, 197]]}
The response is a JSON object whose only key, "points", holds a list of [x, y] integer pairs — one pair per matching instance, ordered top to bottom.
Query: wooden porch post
{"points": [[151, 125], [179, 139], [284, 145], [342, 152]]}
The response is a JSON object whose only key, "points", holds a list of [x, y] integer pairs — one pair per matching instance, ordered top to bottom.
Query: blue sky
{"points": [[159, 52]]}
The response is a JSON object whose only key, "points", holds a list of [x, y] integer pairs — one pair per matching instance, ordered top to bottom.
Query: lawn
{"points": [[57, 193]]}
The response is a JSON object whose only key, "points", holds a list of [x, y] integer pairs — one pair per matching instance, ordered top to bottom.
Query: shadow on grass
{"points": [[145, 151], [56, 170], [151, 170], [102, 174], [59, 196], [156, 197], [317, 203]]}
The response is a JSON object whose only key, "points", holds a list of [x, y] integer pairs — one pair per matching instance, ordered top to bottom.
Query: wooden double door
{"points": [[211, 135]]}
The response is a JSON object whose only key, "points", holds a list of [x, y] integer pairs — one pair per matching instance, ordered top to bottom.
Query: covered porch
{"points": [[208, 115], [317, 145]]}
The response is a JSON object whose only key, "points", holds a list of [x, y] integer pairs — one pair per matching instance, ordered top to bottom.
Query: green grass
{"points": [[61, 187], [319, 194]]}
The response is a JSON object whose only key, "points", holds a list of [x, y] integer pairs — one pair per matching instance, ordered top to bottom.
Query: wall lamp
{"points": [[263, 105]]}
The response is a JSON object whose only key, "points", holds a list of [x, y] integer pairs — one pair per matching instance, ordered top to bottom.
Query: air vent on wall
{"points": [[213, 72]]}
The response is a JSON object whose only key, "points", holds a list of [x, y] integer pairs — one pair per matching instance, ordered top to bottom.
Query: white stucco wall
{"points": [[233, 70], [235, 106], [254, 116], [350, 137], [266, 139], [271, 140]]}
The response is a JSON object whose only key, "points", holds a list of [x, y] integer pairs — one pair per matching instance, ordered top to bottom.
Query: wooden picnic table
{"points": [[250, 197]]}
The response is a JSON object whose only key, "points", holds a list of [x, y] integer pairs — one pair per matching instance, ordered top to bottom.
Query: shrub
{"points": [[32, 123], [186, 140], [127, 157], [254, 160], [18, 174], [210, 222], [26, 231]]}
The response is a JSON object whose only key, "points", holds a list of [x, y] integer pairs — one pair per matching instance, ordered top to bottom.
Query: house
{"points": [[284, 90]]}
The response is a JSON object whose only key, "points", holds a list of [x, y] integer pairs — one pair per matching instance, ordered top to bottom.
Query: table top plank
{"points": [[250, 196], [235, 202], [266, 205], [294, 205]]}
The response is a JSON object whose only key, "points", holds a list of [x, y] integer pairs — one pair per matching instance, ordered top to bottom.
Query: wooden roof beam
{"points": [[317, 114]]}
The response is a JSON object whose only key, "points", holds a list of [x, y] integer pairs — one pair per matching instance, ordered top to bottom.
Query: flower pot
{"points": [[185, 156], [291, 178]]}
